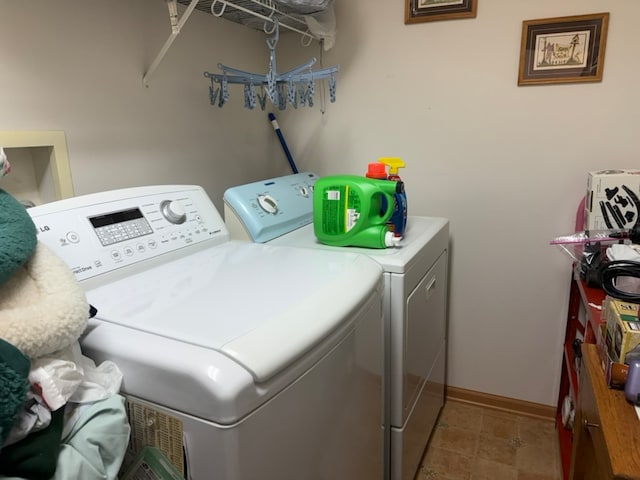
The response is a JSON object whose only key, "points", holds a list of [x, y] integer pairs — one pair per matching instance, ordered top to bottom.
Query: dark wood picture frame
{"points": [[418, 11], [563, 49]]}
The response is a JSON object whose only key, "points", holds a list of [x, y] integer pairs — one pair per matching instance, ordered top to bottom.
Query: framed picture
{"points": [[416, 11], [563, 49]]}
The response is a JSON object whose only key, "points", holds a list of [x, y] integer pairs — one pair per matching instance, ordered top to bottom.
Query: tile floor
{"points": [[476, 443]]}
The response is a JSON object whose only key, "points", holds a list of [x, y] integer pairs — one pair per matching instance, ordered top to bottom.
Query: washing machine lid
{"points": [[425, 237], [261, 305]]}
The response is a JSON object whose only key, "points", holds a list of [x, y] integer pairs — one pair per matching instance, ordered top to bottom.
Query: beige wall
{"points": [[77, 66], [506, 164]]}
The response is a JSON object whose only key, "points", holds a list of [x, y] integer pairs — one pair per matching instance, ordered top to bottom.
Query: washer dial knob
{"points": [[268, 204], [173, 211]]}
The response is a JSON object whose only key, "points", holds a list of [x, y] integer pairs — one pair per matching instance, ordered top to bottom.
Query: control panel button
{"points": [[268, 204], [120, 232], [73, 237]]}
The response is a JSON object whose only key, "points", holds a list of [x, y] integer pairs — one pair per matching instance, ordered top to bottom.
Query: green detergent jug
{"points": [[350, 210]]}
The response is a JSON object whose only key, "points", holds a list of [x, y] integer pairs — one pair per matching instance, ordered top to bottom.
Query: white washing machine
{"points": [[279, 211], [252, 361]]}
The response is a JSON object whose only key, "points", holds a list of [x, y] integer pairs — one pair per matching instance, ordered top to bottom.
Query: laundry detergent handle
{"points": [[347, 211]]}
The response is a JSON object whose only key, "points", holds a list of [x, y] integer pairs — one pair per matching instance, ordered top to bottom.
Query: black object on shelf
{"points": [[591, 264]]}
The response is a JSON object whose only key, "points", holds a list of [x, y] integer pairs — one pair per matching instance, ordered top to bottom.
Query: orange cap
{"points": [[376, 170]]}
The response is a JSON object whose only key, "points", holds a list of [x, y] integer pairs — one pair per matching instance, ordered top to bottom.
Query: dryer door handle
{"points": [[431, 287]]}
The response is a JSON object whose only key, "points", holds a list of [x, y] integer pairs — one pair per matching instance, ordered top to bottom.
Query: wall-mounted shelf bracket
{"points": [[176, 27]]}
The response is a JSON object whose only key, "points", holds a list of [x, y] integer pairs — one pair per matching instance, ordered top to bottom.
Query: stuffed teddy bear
{"points": [[17, 236], [17, 243], [42, 308], [43, 312]]}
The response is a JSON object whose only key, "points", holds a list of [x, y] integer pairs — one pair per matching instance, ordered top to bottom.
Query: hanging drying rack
{"points": [[238, 11], [295, 87]]}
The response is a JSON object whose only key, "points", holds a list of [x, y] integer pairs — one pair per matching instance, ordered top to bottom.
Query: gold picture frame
{"points": [[418, 11], [563, 49]]}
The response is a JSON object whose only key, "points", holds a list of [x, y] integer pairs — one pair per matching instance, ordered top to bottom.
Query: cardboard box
{"points": [[613, 200], [623, 331]]}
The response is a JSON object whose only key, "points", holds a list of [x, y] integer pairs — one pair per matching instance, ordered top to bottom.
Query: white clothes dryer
{"points": [[279, 211], [258, 361]]}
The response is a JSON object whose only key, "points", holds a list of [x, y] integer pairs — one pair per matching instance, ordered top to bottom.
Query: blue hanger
{"points": [[295, 86]]}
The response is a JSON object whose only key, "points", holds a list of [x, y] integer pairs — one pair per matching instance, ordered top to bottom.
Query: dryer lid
{"points": [[425, 237], [261, 305]]}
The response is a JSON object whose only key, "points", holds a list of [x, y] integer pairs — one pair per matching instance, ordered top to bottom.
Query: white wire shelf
{"points": [[251, 13]]}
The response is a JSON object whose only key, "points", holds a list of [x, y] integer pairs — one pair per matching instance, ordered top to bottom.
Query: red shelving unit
{"points": [[581, 297], [592, 299]]}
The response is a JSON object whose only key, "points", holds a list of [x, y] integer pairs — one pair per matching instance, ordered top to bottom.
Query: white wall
{"points": [[77, 66], [506, 164]]}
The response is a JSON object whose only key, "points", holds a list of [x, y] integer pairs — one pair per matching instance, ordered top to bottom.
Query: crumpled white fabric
{"points": [[5, 166], [68, 376], [32, 417]]}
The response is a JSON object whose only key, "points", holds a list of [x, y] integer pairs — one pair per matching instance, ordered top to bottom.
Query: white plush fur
{"points": [[42, 308]]}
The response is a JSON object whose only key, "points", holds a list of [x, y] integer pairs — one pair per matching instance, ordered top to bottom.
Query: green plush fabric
{"points": [[17, 236], [14, 372], [36, 456]]}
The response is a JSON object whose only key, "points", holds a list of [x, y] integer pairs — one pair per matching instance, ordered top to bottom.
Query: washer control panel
{"points": [[271, 208], [99, 233]]}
